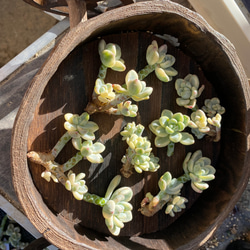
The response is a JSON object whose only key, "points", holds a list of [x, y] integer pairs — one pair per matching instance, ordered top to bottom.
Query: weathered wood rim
{"points": [[116, 20]]}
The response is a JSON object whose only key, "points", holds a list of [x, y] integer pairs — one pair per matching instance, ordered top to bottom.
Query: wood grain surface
{"points": [[65, 84]]}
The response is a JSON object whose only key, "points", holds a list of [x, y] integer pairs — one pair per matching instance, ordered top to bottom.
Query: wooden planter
{"points": [[65, 83]]}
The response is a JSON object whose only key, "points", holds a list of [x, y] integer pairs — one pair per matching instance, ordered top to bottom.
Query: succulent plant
{"points": [[110, 55], [160, 62], [134, 88], [188, 90], [104, 91], [212, 106], [127, 109], [215, 121], [198, 123], [80, 126], [130, 129], [169, 130], [89, 150], [138, 154], [199, 170], [47, 175], [76, 185], [170, 188], [176, 204], [117, 209], [12, 236]]}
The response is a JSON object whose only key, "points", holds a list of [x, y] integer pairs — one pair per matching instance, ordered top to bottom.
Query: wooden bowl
{"points": [[65, 84]]}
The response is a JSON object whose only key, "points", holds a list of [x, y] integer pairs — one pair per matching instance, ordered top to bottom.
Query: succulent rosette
{"points": [[110, 55], [162, 62], [134, 88], [188, 90], [104, 91], [212, 106], [127, 109], [215, 121], [199, 123], [80, 126], [132, 128], [169, 129], [89, 150], [139, 154], [199, 170], [47, 175], [76, 185], [169, 185], [170, 189], [176, 205], [117, 209]]}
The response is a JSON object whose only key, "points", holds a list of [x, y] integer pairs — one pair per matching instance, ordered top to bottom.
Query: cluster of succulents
{"points": [[168, 129], [139, 154], [197, 169], [11, 236]]}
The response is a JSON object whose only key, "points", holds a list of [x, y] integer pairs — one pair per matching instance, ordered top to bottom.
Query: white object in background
{"points": [[226, 17], [34, 48]]}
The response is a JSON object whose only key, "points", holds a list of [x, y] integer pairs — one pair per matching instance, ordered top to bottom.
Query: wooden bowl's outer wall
{"points": [[193, 34]]}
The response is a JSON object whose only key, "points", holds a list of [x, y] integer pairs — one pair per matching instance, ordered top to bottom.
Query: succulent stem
{"points": [[102, 72], [143, 73], [60, 144], [170, 150], [72, 162], [127, 167], [94, 199]]}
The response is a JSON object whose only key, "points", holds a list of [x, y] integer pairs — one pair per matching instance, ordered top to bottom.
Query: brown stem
{"points": [[47, 161], [127, 169], [151, 207]]}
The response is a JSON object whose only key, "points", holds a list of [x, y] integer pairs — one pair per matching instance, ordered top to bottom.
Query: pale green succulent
{"points": [[110, 55], [161, 62], [134, 88], [188, 90], [104, 91], [212, 106], [127, 109], [199, 121], [215, 121], [80, 126], [132, 128], [169, 130], [89, 150], [139, 154], [199, 170], [47, 175], [76, 185], [169, 185], [170, 189], [176, 204], [117, 209], [14, 236]]}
